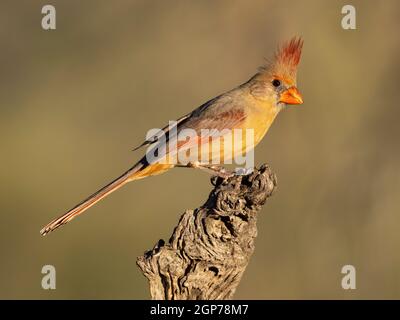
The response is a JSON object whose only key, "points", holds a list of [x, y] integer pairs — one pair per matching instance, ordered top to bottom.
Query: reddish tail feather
{"points": [[90, 201]]}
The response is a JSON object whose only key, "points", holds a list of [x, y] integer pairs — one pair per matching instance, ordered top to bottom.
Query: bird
{"points": [[252, 105]]}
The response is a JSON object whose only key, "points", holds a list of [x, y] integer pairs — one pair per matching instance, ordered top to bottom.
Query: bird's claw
{"points": [[243, 171]]}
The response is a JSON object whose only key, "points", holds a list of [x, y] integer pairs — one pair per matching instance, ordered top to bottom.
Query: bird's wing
{"points": [[220, 113], [194, 115], [216, 115], [207, 122], [154, 138]]}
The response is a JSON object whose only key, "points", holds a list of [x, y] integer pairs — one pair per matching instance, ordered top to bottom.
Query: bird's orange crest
{"points": [[289, 54], [288, 57], [284, 65]]}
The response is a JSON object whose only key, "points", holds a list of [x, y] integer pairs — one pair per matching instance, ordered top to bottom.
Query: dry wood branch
{"points": [[211, 245]]}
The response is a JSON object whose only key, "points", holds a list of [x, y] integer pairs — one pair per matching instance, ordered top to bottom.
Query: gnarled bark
{"points": [[211, 246]]}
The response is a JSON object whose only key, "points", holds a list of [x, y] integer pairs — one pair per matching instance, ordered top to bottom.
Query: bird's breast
{"points": [[259, 120]]}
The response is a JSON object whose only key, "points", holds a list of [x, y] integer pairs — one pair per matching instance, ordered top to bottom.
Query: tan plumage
{"points": [[252, 105]]}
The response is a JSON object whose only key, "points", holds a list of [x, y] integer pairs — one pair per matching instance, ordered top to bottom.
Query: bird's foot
{"points": [[243, 171]]}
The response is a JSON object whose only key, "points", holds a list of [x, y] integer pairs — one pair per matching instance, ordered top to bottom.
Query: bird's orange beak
{"points": [[291, 96]]}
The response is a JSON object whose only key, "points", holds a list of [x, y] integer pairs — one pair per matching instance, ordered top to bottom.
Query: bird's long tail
{"points": [[136, 172]]}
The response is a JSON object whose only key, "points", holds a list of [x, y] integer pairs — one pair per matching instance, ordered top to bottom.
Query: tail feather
{"points": [[93, 199]]}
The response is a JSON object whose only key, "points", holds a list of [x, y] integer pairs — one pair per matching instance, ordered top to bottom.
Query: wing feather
{"points": [[214, 116]]}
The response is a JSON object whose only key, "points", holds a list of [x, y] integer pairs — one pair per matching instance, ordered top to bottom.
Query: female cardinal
{"points": [[252, 105]]}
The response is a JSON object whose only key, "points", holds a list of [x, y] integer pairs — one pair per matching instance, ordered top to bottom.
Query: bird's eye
{"points": [[276, 83]]}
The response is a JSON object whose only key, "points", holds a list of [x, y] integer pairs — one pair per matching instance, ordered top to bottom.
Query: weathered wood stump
{"points": [[211, 246]]}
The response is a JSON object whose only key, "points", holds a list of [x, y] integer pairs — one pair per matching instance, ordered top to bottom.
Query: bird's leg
{"points": [[210, 168], [220, 171]]}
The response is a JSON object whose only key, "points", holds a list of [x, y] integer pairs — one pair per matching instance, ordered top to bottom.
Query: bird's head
{"points": [[277, 79]]}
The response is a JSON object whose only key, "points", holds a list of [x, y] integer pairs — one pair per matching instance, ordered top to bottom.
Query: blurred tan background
{"points": [[74, 102]]}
